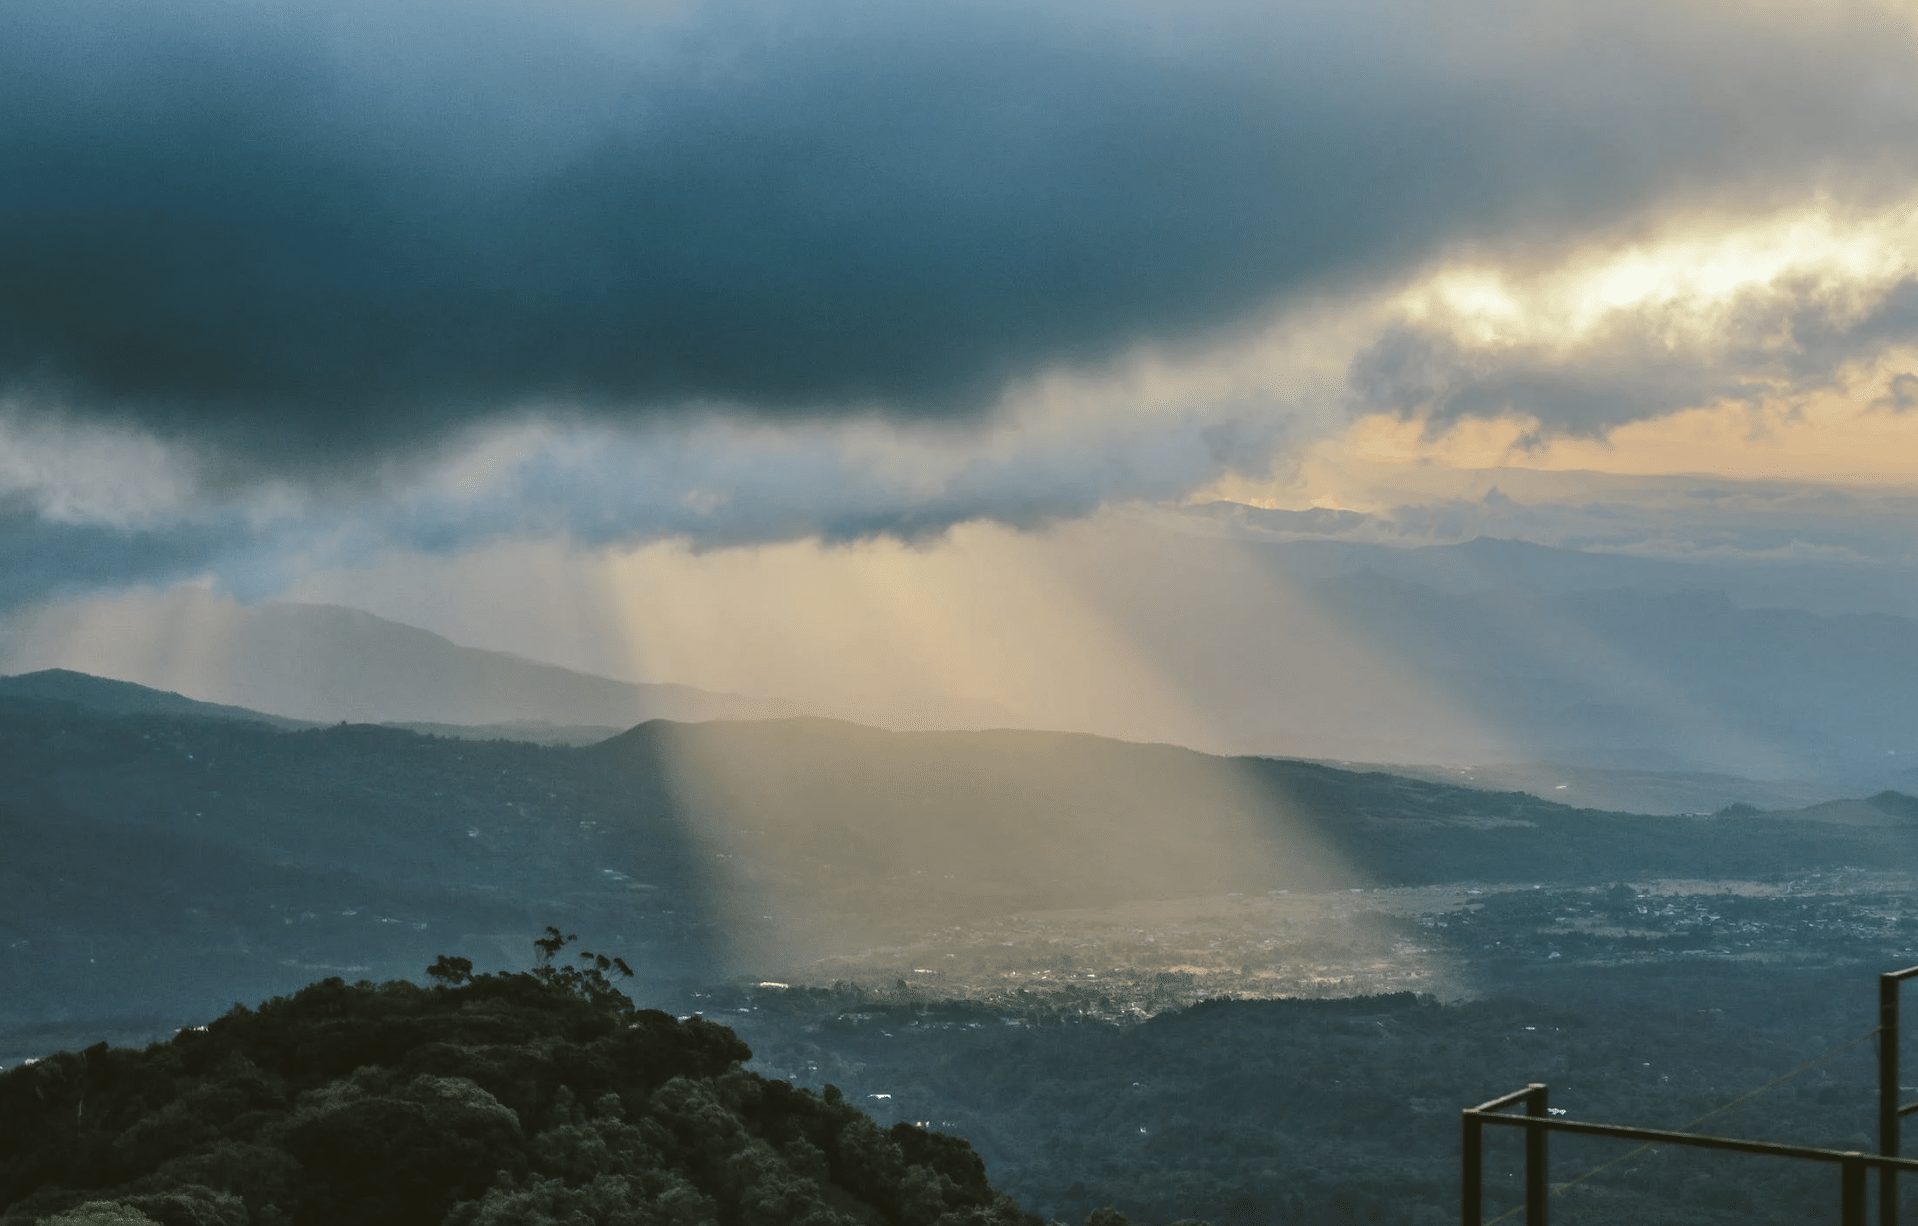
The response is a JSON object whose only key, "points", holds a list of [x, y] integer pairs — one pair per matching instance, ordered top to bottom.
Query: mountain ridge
{"points": [[322, 663], [109, 695], [705, 849]]}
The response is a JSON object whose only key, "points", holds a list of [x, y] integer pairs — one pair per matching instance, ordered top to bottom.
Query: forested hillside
{"points": [[221, 859], [523, 1099]]}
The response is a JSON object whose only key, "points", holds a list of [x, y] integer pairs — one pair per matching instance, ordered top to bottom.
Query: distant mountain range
{"points": [[1831, 584], [1507, 652], [326, 664], [1681, 681], [1662, 685], [107, 696], [1615, 789], [1695, 793], [1888, 810], [169, 861]]}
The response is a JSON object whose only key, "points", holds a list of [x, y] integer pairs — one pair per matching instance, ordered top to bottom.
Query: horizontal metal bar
{"points": [[1907, 973], [1506, 1100], [1908, 1108], [1659, 1136]]}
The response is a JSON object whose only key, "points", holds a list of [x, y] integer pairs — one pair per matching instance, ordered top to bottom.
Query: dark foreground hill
{"points": [[105, 696], [532, 1098]]}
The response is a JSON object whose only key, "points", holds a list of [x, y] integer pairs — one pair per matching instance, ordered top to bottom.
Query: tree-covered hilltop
{"points": [[479, 1101]]}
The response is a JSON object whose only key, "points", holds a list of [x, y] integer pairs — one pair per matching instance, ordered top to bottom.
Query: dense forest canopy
{"points": [[521, 1098]]}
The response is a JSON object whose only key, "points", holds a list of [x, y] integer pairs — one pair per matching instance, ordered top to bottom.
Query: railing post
{"points": [[1888, 1140], [1471, 1170], [1537, 1189], [1852, 1190]]}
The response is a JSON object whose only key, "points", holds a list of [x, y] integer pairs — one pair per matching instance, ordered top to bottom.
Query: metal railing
{"points": [[1890, 1111], [1854, 1167]]}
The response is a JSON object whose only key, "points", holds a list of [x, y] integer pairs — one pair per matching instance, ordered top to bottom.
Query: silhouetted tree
{"points": [[450, 971]]}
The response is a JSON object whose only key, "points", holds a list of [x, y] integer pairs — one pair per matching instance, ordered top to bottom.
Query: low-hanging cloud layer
{"points": [[334, 277]]}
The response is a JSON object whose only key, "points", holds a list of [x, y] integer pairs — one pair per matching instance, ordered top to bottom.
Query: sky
{"points": [[669, 315]]}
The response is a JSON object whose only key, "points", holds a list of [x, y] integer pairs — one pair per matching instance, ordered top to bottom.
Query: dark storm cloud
{"points": [[301, 232], [41, 557]]}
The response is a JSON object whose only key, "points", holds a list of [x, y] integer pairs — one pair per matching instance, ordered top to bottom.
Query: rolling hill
{"points": [[109, 697], [202, 856]]}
